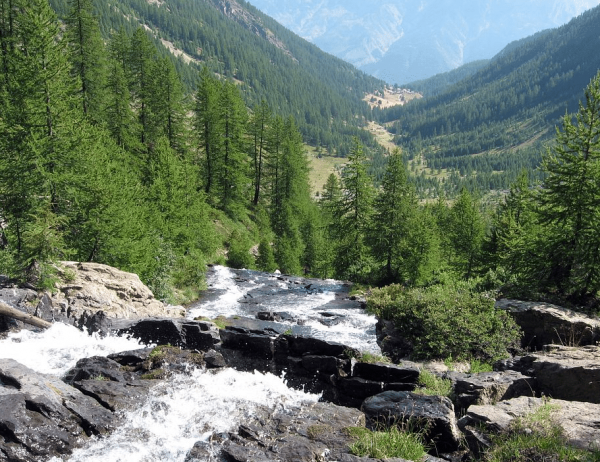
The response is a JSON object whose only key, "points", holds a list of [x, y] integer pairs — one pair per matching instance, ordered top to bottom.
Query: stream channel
{"points": [[191, 407]]}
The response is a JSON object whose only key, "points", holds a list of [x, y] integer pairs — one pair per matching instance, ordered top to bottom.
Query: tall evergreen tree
{"points": [[142, 54], [87, 56], [259, 125], [570, 198], [395, 208], [353, 217]]}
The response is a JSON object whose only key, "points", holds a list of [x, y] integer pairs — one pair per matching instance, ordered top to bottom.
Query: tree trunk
{"points": [[24, 317]]}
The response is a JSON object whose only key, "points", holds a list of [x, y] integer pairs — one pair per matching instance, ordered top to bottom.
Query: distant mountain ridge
{"points": [[401, 41], [495, 122]]}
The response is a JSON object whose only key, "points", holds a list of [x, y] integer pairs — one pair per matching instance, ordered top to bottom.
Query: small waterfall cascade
{"points": [[194, 406]]}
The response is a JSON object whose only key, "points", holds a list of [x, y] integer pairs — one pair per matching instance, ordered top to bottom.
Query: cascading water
{"points": [[312, 304], [191, 407]]}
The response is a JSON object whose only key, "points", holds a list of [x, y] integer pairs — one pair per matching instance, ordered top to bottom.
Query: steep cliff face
{"points": [[401, 40]]}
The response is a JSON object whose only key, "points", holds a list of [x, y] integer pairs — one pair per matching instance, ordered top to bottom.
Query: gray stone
{"points": [[544, 323], [214, 359], [386, 372], [568, 373], [489, 387], [433, 414], [42, 417], [580, 421]]}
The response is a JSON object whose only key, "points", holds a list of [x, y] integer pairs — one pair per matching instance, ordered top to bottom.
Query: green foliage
{"points": [[239, 255], [265, 260], [442, 321], [477, 366], [431, 384], [385, 444]]}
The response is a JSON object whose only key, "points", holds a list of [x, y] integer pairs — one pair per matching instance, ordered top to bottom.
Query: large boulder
{"points": [[87, 288], [544, 323], [561, 372], [489, 387], [434, 415], [42, 417], [579, 421], [314, 432]]}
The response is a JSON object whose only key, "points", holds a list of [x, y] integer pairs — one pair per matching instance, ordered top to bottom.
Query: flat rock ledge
{"points": [[86, 294], [544, 324], [566, 373], [580, 421]]}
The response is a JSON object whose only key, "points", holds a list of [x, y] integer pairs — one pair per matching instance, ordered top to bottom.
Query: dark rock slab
{"points": [[544, 323], [259, 346], [300, 346], [132, 358], [214, 359], [97, 368], [383, 372], [490, 387], [116, 396], [432, 414], [42, 417], [314, 432]]}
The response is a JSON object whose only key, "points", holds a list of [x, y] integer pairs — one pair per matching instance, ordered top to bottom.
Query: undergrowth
{"points": [[385, 444]]}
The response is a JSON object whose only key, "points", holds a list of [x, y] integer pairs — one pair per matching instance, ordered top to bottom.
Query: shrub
{"points": [[447, 321]]}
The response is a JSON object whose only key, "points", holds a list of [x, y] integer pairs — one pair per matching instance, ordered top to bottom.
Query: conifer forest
{"points": [[113, 150]]}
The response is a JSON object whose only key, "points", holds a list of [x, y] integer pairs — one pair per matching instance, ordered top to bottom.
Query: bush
{"points": [[447, 321]]}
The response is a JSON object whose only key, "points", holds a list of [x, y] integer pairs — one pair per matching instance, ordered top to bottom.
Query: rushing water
{"points": [[244, 293], [191, 407]]}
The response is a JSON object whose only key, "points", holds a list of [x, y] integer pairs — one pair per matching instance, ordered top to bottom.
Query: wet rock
{"points": [[20, 299], [268, 316], [544, 323], [194, 335], [259, 346], [300, 346], [133, 359], [214, 359], [326, 365], [97, 368], [383, 372], [489, 387], [359, 389], [116, 396], [433, 414], [42, 417], [580, 421], [314, 432], [201, 452]]}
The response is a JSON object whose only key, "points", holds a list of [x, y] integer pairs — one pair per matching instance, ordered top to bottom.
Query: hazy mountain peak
{"points": [[404, 40]]}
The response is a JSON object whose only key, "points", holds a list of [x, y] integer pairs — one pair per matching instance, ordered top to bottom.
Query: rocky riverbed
{"points": [[217, 394]]}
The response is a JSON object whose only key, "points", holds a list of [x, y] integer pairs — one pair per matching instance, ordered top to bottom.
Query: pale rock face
{"points": [[406, 40], [93, 287]]}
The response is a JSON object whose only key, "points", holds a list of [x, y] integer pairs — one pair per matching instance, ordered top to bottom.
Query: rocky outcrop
{"points": [[87, 295], [545, 324], [567, 373], [489, 387], [433, 415], [41, 416], [580, 421], [315, 432]]}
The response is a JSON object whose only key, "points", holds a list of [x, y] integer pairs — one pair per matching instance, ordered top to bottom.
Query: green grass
{"points": [[220, 321], [373, 358], [479, 366], [431, 384], [537, 437], [386, 444]]}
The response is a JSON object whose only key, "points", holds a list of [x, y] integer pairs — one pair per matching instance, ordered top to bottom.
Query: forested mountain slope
{"points": [[236, 40], [489, 123]]}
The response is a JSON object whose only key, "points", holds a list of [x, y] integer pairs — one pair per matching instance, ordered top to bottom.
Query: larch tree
{"points": [[570, 199]]}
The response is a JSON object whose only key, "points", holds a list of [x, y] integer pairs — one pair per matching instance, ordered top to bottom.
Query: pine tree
{"points": [[87, 56], [141, 57], [207, 126], [258, 130], [570, 198], [395, 208], [353, 218], [466, 231]]}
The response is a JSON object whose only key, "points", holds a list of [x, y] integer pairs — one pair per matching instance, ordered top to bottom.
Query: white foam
{"points": [[57, 349], [187, 409]]}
